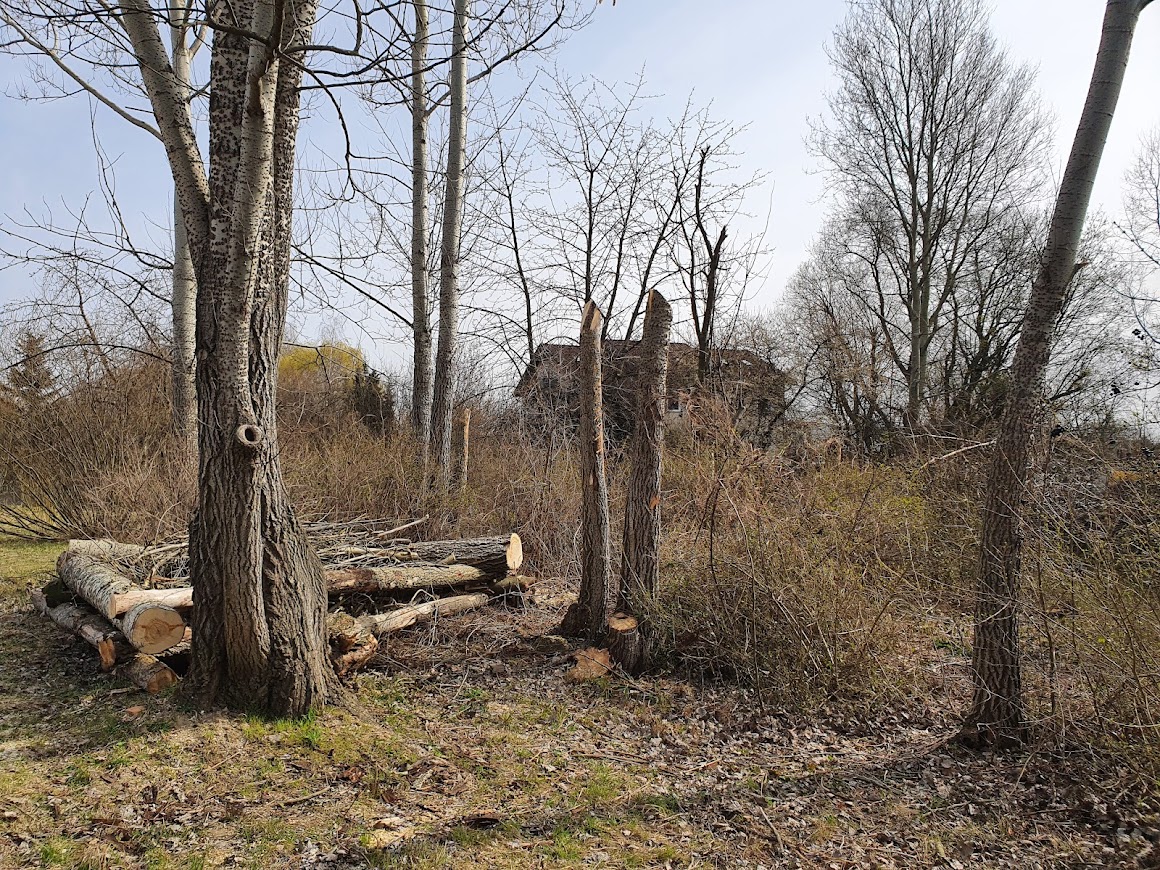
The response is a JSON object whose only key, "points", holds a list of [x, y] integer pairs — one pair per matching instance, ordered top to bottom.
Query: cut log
{"points": [[495, 556], [404, 578], [110, 592], [404, 617], [90, 627], [153, 628], [626, 643], [352, 644], [149, 674]]}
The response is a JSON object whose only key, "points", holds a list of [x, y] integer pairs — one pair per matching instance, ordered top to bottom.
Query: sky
{"points": [[760, 63]]}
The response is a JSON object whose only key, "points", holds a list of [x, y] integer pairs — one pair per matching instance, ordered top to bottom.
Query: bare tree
{"points": [[99, 74], [933, 134], [420, 315], [442, 405], [259, 622], [997, 713]]}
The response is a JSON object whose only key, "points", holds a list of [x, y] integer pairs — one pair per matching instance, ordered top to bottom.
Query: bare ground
{"points": [[468, 747]]}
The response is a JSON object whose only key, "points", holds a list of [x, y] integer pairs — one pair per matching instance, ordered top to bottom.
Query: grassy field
{"points": [[464, 747]]}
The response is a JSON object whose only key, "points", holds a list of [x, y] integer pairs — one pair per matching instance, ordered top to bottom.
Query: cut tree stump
{"points": [[403, 578], [110, 592], [404, 617], [586, 618], [90, 627], [153, 628], [626, 643]]}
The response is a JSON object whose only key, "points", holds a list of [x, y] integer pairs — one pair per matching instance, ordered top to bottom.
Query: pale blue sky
{"points": [[760, 62]]}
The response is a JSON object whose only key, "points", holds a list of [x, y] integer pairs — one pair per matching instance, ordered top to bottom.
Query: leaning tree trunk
{"points": [[449, 251], [183, 300], [420, 314], [640, 567], [587, 616], [259, 635], [997, 713]]}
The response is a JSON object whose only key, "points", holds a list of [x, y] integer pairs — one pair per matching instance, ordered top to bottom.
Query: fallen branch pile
{"points": [[132, 604]]}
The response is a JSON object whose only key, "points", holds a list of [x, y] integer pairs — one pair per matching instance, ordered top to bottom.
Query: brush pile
{"points": [[133, 603]]}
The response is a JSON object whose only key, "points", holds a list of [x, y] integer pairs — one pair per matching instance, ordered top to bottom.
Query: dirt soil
{"points": [[467, 745]]}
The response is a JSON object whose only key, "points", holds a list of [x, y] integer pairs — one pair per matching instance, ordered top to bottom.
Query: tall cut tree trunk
{"points": [[183, 301], [420, 314], [441, 412], [640, 565], [586, 618], [259, 636], [997, 714]]}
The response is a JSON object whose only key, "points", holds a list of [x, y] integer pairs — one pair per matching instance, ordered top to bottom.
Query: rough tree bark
{"points": [[420, 314], [441, 411], [640, 566], [586, 618], [259, 636], [997, 714]]}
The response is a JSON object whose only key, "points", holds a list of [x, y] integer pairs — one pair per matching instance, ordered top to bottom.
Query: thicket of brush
{"points": [[799, 572]]}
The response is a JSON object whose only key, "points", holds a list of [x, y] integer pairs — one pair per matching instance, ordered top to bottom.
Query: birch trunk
{"points": [[420, 314], [441, 412], [640, 566], [586, 618], [997, 714]]}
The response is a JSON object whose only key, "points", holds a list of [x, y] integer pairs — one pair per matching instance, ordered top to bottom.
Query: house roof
{"points": [[564, 357]]}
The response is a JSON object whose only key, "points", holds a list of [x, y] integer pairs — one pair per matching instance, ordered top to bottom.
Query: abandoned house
{"points": [[751, 389]]}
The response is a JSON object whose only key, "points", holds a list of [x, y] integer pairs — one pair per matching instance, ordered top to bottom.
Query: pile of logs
{"points": [[132, 604]]}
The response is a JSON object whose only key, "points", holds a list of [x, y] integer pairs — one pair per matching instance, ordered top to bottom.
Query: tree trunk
{"points": [[183, 301], [183, 305], [420, 314], [441, 412], [464, 449], [640, 567], [586, 618], [259, 635], [997, 714]]}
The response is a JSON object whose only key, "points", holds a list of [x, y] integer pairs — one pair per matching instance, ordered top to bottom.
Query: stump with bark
{"points": [[640, 565], [586, 618]]}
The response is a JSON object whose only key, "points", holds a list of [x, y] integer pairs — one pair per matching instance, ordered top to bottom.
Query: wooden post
{"points": [[640, 567], [586, 618]]}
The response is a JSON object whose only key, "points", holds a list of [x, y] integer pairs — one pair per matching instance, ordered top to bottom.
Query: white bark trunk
{"points": [[449, 252], [183, 301], [420, 313]]}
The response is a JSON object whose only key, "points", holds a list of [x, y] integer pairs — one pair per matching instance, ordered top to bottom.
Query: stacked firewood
{"points": [[133, 603]]}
